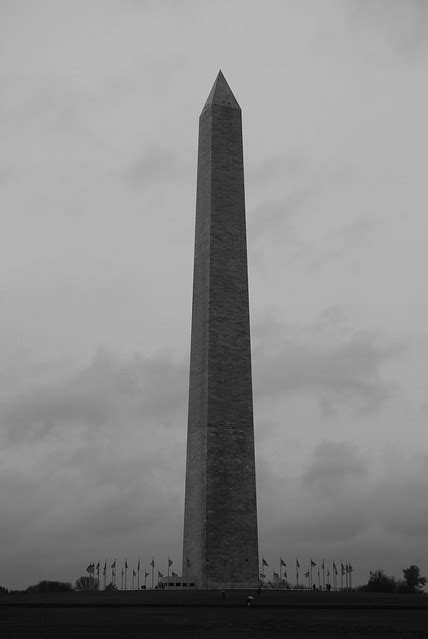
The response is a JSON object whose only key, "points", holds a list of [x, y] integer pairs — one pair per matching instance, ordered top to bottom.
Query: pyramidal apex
{"points": [[221, 94]]}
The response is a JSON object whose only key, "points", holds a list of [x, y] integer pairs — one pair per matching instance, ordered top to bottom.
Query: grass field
{"points": [[160, 614]]}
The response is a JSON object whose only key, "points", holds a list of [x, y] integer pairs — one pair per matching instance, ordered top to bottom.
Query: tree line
{"points": [[411, 582]]}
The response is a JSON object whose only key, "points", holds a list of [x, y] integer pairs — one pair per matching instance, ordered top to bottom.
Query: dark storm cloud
{"points": [[403, 25], [155, 165], [276, 165], [298, 187], [301, 187], [269, 216], [350, 238], [345, 372], [107, 391], [91, 452], [332, 464], [322, 512], [373, 512], [327, 525]]}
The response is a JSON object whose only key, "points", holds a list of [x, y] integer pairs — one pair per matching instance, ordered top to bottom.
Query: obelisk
{"points": [[220, 519]]}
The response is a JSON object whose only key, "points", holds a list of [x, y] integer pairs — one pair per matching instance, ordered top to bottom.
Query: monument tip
{"points": [[221, 94]]}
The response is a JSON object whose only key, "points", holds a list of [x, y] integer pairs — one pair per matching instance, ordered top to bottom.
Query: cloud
{"points": [[402, 25], [154, 166], [345, 371], [107, 391], [101, 450], [332, 465], [367, 508]]}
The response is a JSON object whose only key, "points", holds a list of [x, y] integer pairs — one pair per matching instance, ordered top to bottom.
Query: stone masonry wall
{"points": [[220, 533]]}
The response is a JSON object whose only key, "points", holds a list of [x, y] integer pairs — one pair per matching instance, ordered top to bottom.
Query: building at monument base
{"points": [[220, 517], [177, 583]]}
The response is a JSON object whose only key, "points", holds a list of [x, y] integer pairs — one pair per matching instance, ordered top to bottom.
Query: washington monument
{"points": [[220, 515]]}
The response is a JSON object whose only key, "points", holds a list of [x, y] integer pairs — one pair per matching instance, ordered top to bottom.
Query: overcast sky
{"points": [[98, 128]]}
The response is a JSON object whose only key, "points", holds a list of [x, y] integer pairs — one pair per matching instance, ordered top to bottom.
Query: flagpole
{"points": [[168, 568], [153, 570], [138, 574], [297, 574], [310, 574], [98, 575], [323, 575]]}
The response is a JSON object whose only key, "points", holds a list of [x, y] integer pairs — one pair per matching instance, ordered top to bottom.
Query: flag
{"points": [[170, 562], [264, 562], [282, 562], [152, 563], [297, 563], [113, 564], [126, 564], [188, 564], [312, 564], [322, 565], [98, 566], [138, 567], [89, 568], [105, 568], [334, 568], [350, 568], [342, 569], [122, 572], [328, 572], [134, 573], [146, 574], [174, 574], [285, 574], [307, 574], [160, 575], [262, 575], [275, 575]]}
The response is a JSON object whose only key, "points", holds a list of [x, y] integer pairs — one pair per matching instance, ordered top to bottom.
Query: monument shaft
{"points": [[220, 521]]}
